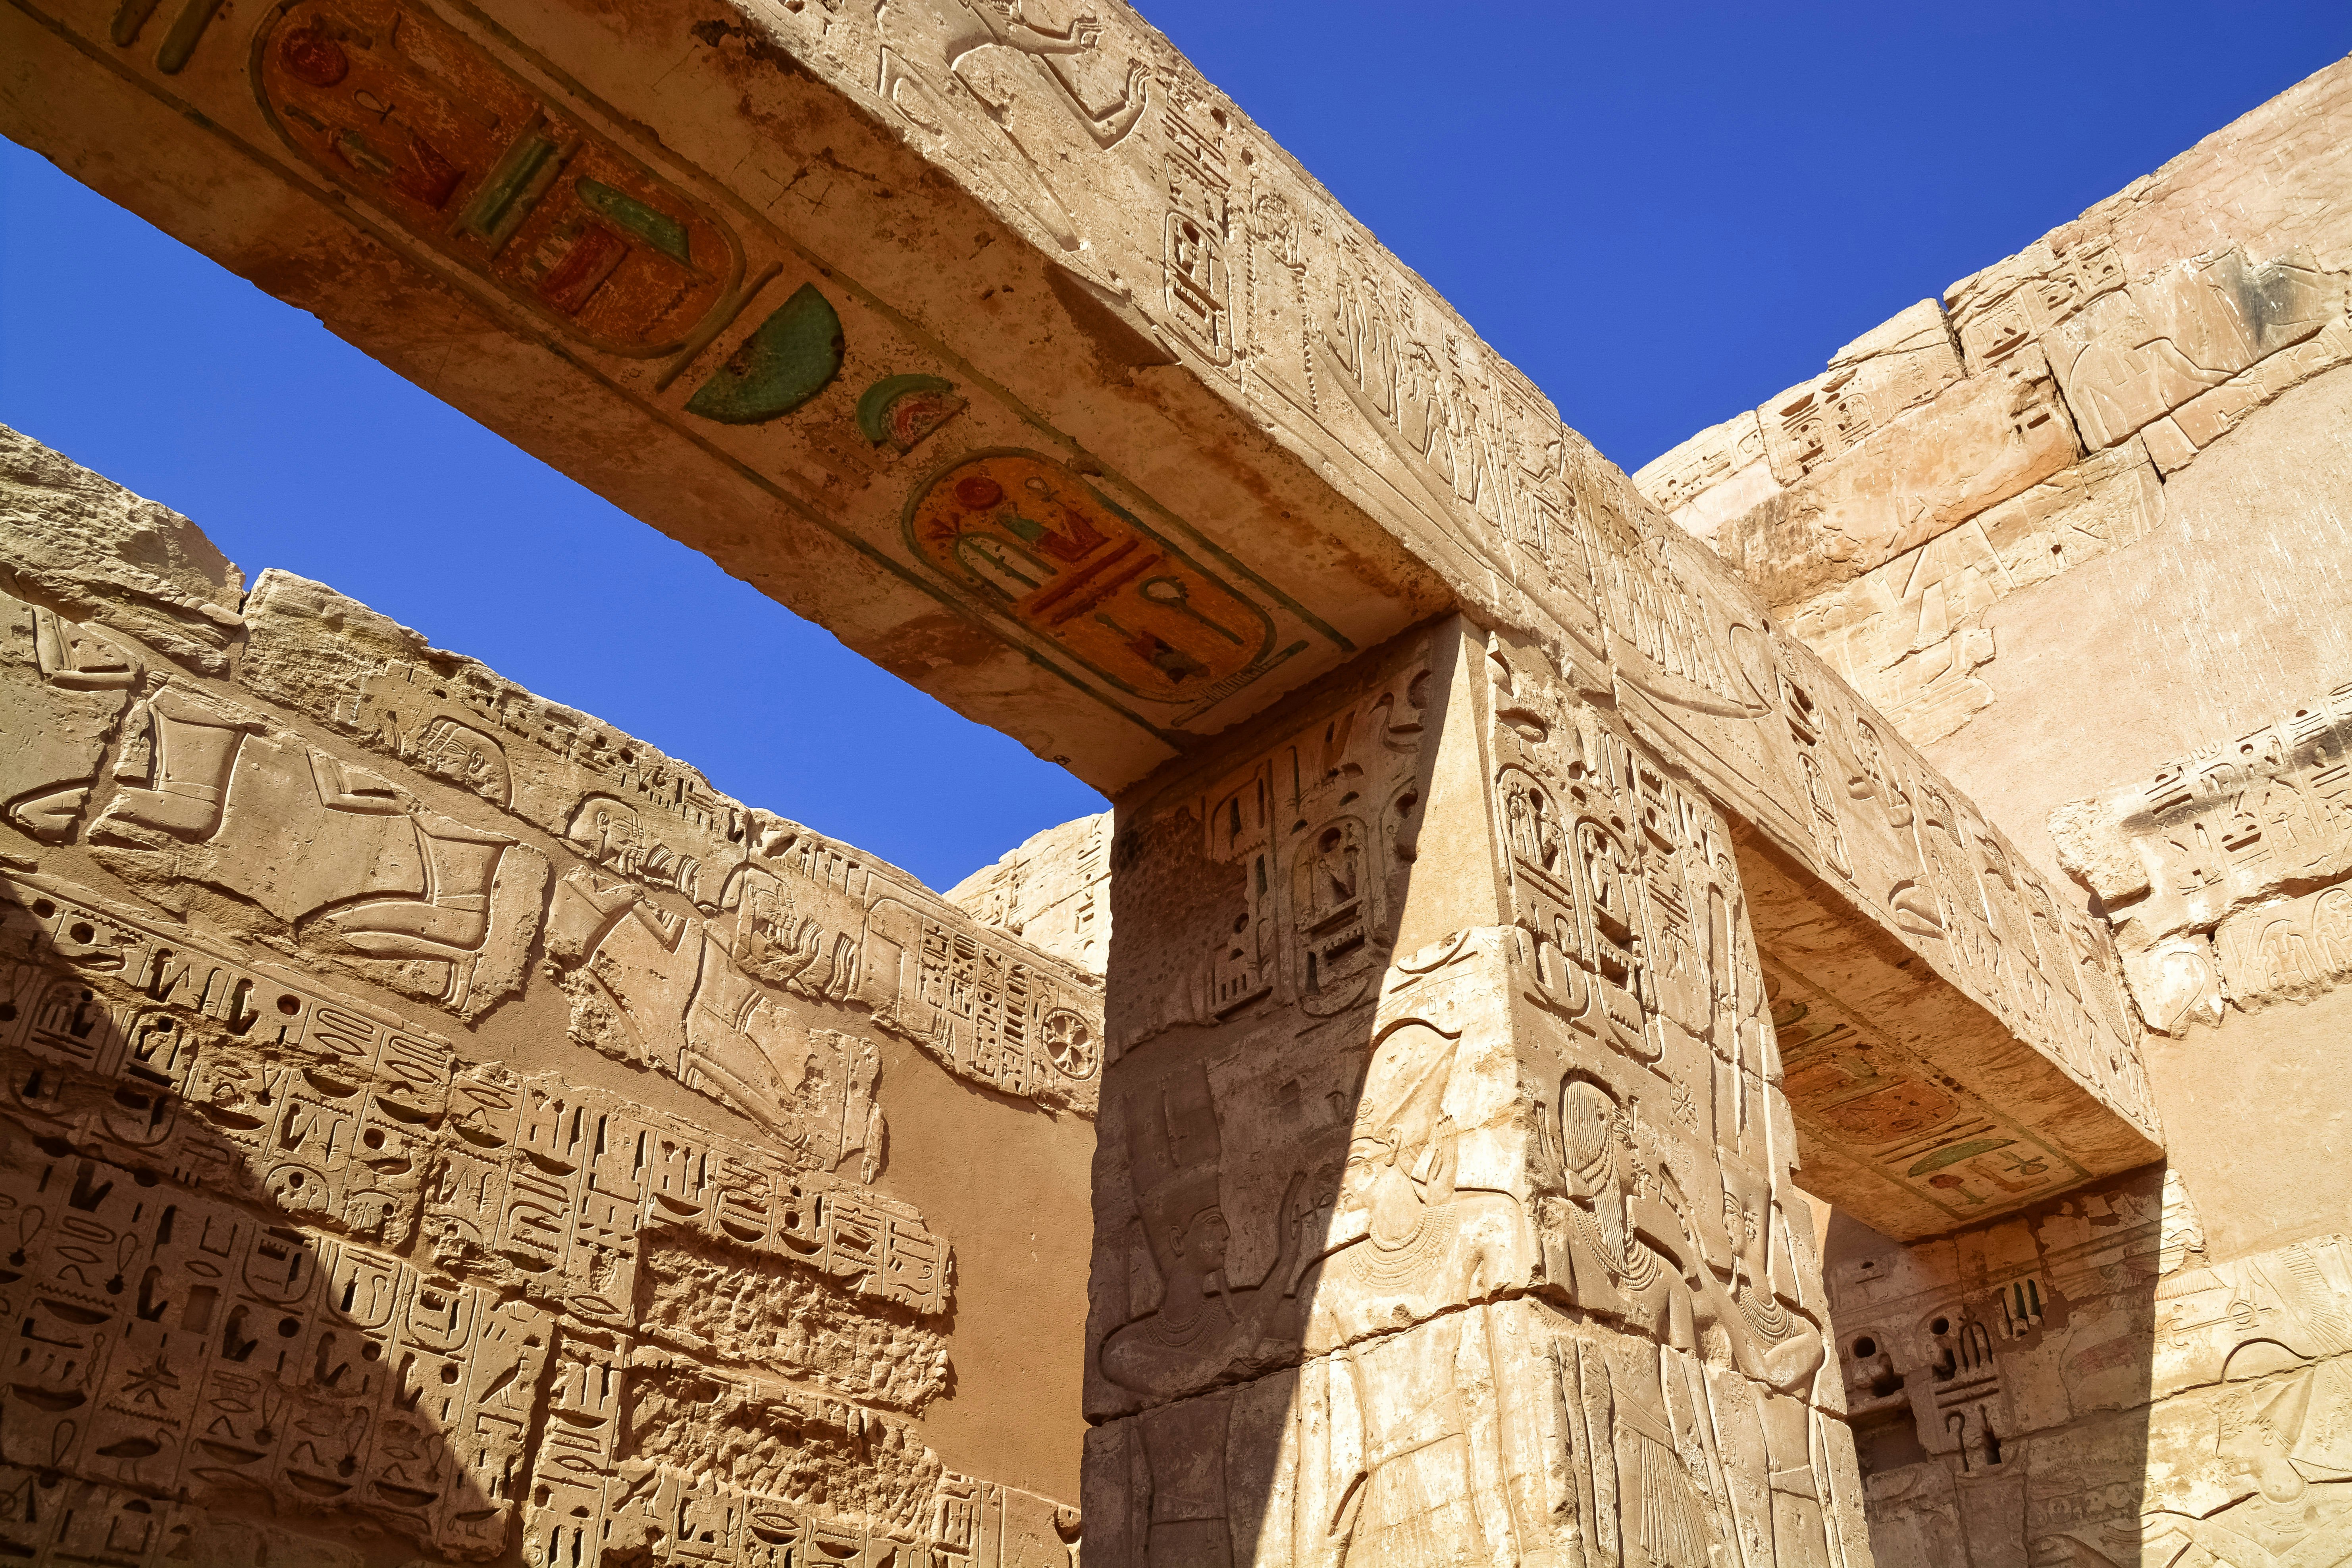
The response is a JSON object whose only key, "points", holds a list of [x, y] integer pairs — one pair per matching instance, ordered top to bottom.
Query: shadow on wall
{"points": [[1423, 1238], [277, 1275], [2074, 1387]]}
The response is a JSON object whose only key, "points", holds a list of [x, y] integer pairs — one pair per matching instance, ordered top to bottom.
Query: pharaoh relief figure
{"points": [[1208, 1326], [1416, 1484]]}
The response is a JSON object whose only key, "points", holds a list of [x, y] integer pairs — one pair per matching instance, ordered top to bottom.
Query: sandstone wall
{"points": [[2080, 531], [1053, 891], [439, 1128]]}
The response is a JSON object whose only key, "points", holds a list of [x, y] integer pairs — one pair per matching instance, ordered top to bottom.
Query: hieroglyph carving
{"points": [[2222, 871], [691, 931], [257, 1222], [1484, 1252], [2081, 1387]]}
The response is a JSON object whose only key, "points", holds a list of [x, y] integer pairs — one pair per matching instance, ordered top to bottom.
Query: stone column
{"points": [[1442, 1199]]}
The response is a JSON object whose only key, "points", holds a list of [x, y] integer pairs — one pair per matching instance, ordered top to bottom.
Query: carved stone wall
{"points": [[1013, 351], [2045, 418], [2080, 533], [1052, 893], [439, 1128], [1443, 1210], [2084, 1385]]}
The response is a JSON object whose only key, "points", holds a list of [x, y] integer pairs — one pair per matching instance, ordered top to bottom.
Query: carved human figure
{"points": [[1207, 1326], [1425, 1490]]}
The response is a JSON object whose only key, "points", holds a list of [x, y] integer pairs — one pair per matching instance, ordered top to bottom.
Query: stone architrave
{"points": [[1016, 355], [436, 1126]]}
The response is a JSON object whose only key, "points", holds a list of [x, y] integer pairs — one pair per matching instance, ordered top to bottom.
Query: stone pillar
{"points": [[1442, 1199]]}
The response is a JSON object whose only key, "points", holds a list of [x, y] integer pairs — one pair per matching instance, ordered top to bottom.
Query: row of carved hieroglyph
{"points": [[1958, 454], [2224, 871], [1052, 893], [686, 928], [271, 1241], [1484, 1251], [282, 1263], [2078, 1385]]}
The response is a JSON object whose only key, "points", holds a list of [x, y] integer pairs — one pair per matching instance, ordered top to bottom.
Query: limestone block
{"points": [[2014, 301], [2139, 352], [1903, 361], [2175, 440], [1981, 441], [1722, 473], [1713, 477], [95, 553], [1909, 635], [67, 686], [2208, 834], [1052, 893], [777, 911], [271, 1111], [432, 1120], [2083, 1382], [1510, 1432]]}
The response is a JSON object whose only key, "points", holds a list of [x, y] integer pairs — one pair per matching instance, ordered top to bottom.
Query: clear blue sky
{"points": [[1664, 214]]}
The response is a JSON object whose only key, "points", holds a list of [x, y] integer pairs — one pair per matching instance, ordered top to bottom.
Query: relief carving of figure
{"points": [[1207, 1327], [1424, 1490]]}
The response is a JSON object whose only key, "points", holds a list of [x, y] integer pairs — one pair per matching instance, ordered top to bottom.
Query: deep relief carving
{"points": [[210, 793], [2221, 871], [690, 931], [275, 1241], [1486, 1251], [285, 1269]]}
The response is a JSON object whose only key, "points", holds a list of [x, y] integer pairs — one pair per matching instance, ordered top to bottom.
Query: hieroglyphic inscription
{"points": [[2221, 870], [1353, 1194], [272, 1239], [2080, 1385]]}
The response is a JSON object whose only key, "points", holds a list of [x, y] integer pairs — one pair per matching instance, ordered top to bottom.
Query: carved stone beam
{"points": [[1018, 358]]}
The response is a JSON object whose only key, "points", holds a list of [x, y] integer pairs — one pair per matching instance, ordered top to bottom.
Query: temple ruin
{"points": [[1616, 1022]]}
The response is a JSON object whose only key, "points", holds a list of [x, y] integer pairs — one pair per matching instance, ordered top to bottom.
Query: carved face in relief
{"points": [[1400, 1162], [1203, 1242]]}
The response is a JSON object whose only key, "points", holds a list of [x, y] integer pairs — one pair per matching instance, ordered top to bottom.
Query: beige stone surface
{"points": [[2160, 322], [1015, 353], [1894, 367], [1980, 442], [2224, 616], [1912, 635], [1053, 891], [439, 1128], [1444, 1208], [2093, 1382]]}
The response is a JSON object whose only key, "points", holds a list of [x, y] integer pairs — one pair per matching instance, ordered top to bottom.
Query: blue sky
{"points": [[1663, 214]]}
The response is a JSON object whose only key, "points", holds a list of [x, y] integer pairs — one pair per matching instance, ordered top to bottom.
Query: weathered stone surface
{"points": [[2156, 324], [2142, 350], [1902, 362], [1085, 409], [1981, 441], [1715, 476], [95, 553], [1911, 636], [2203, 866], [1052, 893], [435, 1123], [1443, 1196], [2086, 1383]]}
